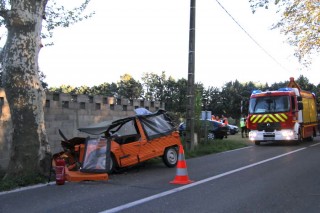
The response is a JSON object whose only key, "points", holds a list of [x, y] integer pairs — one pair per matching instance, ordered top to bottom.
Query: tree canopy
{"points": [[299, 22]]}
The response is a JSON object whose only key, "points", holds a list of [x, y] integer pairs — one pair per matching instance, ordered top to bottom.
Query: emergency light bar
{"points": [[285, 89], [256, 92]]}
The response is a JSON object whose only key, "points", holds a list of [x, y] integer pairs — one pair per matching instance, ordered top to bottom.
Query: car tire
{"points": [[211, 136], [219, 136], [170, 157], [113, 164]]}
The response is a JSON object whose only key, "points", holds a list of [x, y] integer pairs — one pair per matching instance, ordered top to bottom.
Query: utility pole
{"points": [[205, 101], [190, 114]]}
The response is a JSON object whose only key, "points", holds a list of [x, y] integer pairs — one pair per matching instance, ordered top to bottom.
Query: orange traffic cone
{"points": [[182, 173]]}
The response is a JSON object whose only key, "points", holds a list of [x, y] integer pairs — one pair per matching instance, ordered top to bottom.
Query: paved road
{"points": [[267, 178]]}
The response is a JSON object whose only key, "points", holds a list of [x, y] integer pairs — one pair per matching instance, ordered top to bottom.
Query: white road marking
{"points": [[27, 188], [162, 194]]}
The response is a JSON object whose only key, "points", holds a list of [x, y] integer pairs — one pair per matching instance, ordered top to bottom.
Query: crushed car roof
{"points": [[99, 128]]}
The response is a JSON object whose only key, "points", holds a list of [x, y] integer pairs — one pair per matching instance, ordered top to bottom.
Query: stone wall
{"points": [[68, 113]]}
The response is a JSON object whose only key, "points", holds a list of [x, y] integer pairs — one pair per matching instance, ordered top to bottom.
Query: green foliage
{"points": [[57, 15], [299, 23], [154, 85], [129, 88], [106, 89], [166, 90], [176, 95], [215, 146], [21, 181]]}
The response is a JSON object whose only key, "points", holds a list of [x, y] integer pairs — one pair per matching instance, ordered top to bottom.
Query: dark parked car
{"points": [[182, 128], [215, 129], [233, 129]]}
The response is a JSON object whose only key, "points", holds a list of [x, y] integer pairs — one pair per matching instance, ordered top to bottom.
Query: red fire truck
{"points": [[287, 114]]}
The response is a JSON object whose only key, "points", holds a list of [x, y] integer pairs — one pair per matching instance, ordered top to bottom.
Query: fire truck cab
{"points": [[287, 114]]}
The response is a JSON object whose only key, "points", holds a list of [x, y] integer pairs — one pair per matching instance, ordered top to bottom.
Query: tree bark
{"points": [[30, 152]]}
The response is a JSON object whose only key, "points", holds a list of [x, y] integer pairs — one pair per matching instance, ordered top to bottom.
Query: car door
{"points": [[157, 133], [129, 140]]}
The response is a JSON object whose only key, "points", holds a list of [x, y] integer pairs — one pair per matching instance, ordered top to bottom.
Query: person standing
{"points": [[218, 118], [224, 120], [243, 126]]}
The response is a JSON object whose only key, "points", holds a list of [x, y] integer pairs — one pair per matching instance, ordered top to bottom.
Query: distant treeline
{"points": [[230, 100]]}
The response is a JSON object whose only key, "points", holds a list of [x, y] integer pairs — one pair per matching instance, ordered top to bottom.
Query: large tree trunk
{"points": [[30, 151]]}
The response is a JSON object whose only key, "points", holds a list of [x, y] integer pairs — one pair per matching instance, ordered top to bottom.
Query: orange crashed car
{"points": [[130, 141]]}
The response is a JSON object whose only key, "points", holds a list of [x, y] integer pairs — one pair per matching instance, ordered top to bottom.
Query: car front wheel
{"points": [[210, 136], [170, 157], [112, 165]]}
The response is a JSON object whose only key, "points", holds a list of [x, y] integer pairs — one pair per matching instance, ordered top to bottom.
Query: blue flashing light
{"points": [[285, 89], [256, 92]]}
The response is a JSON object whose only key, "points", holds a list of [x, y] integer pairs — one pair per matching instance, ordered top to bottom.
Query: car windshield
{"points": [[269, 104], [157, 126], [123, 129]]}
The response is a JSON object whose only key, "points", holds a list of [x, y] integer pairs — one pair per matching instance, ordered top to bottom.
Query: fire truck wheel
{"points": [[310, 138], [300, 139], [257, 143], [170, 157]]}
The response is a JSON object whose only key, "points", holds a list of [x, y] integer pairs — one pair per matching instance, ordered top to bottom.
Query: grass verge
{"points": [[215, 146], [6, 185]]}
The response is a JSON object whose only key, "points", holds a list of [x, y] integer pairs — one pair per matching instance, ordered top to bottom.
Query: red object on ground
{"points": [[60, 171]]}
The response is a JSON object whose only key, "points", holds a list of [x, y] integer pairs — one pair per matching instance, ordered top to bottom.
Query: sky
{"points": [[151, 36]]}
